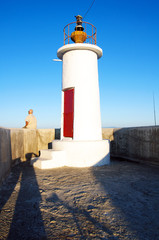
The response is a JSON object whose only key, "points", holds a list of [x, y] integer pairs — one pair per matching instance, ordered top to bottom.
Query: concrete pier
{"points": [[136, 144], [117, 201]]}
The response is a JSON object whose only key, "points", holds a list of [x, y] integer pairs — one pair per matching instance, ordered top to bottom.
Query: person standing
{"points": [[30, 121]]}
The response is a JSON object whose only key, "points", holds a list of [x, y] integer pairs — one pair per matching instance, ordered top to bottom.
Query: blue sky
{"points": [[32, 31]]}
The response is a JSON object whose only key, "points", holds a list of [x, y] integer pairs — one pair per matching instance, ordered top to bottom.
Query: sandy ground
{"points": [[119, 201]]}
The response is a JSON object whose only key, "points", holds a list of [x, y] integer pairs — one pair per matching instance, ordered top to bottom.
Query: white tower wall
{"points": [[80, 71]]}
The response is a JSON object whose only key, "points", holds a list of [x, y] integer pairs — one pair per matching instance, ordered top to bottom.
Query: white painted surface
{"points": [[79, 46], [80, 71], [86, 149], [84, 153], [74, 154], [54, 159]]}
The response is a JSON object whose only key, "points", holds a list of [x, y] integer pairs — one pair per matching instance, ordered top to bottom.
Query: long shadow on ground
{"points": [[26, 221], [84, 222]]}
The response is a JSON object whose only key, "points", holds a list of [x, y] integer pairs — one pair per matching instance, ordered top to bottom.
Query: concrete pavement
{"points": [[119, 201]]}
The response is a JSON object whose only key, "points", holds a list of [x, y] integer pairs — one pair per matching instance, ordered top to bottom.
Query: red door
{"points": [[68, 113]]}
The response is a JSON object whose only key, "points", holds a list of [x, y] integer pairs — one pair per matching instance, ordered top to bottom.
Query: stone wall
{"points": [[137, 144]]}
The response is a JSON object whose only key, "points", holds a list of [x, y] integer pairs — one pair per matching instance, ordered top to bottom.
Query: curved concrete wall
{"points": [[18, 144], [137, 144], [5, 153]]}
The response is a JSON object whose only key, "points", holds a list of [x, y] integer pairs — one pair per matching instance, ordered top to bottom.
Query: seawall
{"points": [[18, 144], [136, 144]]}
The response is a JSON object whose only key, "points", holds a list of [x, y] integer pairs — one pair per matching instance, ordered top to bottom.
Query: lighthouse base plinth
{"points": [[74, 154]]}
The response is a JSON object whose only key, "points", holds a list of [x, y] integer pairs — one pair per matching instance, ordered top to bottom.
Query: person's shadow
{"points": [[27, 222]]}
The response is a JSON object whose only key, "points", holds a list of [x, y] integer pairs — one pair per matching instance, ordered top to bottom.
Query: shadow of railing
{"points": [[82, 219]]}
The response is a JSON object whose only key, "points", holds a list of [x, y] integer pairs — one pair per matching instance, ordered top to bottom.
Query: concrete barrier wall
{"points": [[26, 143], [138, 143], [21, 144], [5, 153]]}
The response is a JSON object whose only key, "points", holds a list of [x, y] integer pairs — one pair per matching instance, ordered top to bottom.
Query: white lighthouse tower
{"points": [[81, 143]]}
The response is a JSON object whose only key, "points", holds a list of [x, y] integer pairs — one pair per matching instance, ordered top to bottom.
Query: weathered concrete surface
{"points": [[108, 133], [45, 137], [27, 142], [24, 143], [138, 143], [18, 144], [30, 144], [5, 153], [119, 201]]}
